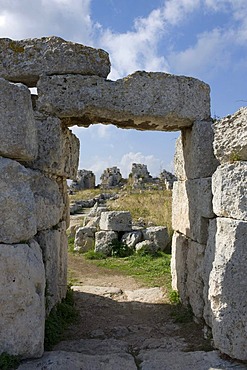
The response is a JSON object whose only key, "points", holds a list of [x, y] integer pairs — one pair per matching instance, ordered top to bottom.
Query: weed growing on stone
{"points": [[174, 297], [60, 317], [8, 362]]}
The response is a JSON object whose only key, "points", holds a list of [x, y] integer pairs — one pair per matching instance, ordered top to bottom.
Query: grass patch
{"points": [[89, 194], [71, 242], [92, 255], [151, 270], [60, 317], [8, 362]]}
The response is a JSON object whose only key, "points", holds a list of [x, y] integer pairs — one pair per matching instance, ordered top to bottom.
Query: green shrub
{"points": [[120, 249], [92, 255], [174, 297], [60, 317], [8, 361]]}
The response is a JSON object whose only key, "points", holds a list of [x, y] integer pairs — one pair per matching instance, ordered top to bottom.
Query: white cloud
{"points": [[69, 19]]}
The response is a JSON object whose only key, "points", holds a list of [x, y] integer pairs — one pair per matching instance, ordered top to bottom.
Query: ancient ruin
{"points": [[39, 152], [111, 177], [85, 179]]}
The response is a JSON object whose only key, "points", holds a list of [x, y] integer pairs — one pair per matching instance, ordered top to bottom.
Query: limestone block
{"points": [[25, 60], [143, 100], [18, 134], [230, 137], [58, 149], [194, 157], [229, 186], [48, 200], [192, 207], [18, 211], [116, 221], [158, 235], [132, 238], [84, 239], [103, 240], [180, 245], [146, 246], [54, 247], [195, 282], [228, 288], [22, 301]]}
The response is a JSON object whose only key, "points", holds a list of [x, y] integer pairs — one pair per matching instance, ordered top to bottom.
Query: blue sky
{"points": [[206, 39]]}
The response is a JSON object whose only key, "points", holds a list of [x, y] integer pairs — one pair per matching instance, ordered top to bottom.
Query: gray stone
{"points": [[26, 60], [143, 100], [18, 134], [230, 137], [58, 149], [194, 156], [111, 177], [167, 179], [84, 180], [229, 186], [48, 200], [192, 207], [18, 210], [116, 221], [158, 235], [132, 238], [84, 239], [103, 241], [54, 246], [146, 246], [180, 246], [228, 288], [104, 291], [145, 295], [22, 302], [158, 359], [79, 361]]}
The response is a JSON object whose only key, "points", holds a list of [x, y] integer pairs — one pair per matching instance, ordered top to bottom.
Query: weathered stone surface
{"points": [[25, 60], [143, 100], [18, 134], [230, 137], [58, 149], [194, 157], [111, 177], [167, 179], [229, 186], [48, 200], [192, 207], [18, 211], [116, 221], [158, 235], [132, 238], [84, 239], [103, 241], [180, 245], [146, 246], [54, 247], [195, 282], [228, 289], [145, 295], [22, 302], [158, 359], [79, 361]]}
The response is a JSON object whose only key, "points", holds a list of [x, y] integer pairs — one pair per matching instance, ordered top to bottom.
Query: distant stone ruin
{"points": [[39, 152], [139, 175], [111, 177], [167, 179], [84, 180]]}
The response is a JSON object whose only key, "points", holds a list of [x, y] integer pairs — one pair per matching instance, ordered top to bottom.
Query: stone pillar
{"points": [[191, 211]]}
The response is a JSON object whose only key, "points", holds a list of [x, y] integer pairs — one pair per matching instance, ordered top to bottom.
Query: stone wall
{"points": [[38, 153], [84, 180], [209, 218]]}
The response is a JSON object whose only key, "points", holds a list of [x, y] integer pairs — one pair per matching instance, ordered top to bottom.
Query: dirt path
{"points": [[124, 325]]}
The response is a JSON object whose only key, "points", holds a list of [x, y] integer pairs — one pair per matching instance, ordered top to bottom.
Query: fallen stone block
{"points": [[26, 60], [143, 100], [18, 134], [230, 137], [229, 186], [116, 221], [158, 235], [131, 238], [84, 239], [104, 240], [22, 299]]}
